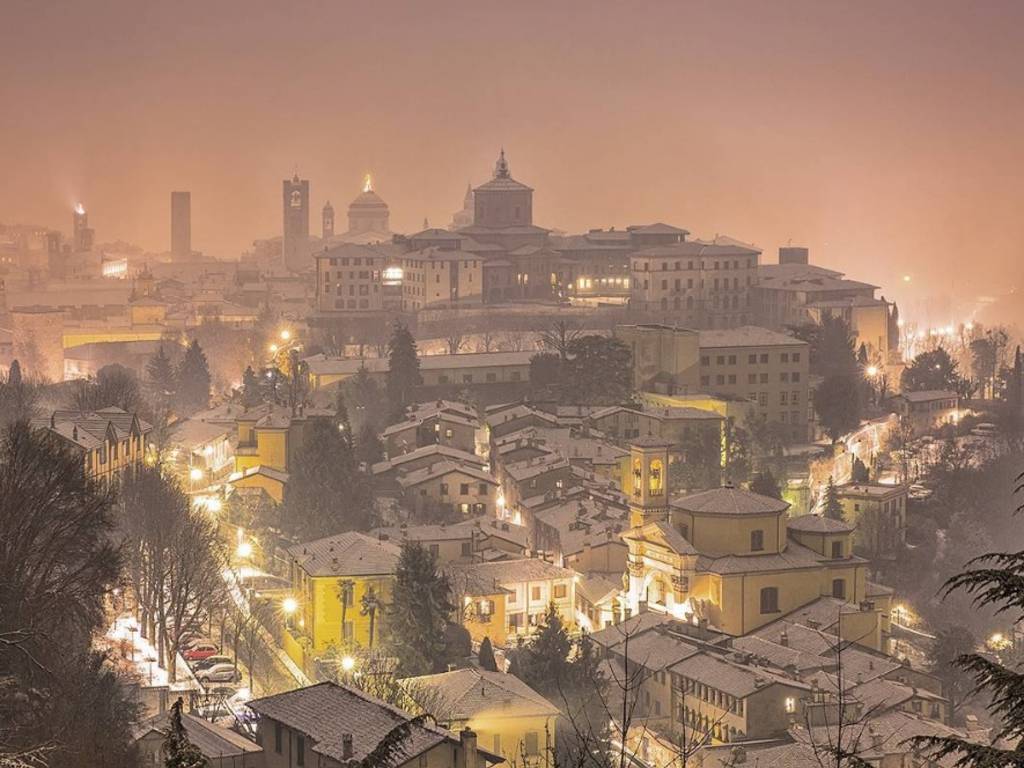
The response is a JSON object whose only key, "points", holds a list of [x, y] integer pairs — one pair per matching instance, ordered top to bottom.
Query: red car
{"points": [[200, 651]]}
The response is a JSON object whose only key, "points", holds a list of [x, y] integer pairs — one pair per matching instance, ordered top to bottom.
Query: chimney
{"points": [[784, 639], [346, 746], [470, 758]]}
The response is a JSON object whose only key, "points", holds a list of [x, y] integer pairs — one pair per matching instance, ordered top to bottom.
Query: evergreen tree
{"points": [[599, 370], [935, 370], [14, 374], [160, 376], [403, 376], [194, 380], [251, 396], [837, 401], [341, 419], [369, 447], [859, 473], [764, 483], [326, 494], [833, 506], [995, 582], [419, 612], [951, 643], [486, 656], [543, 663], [179, 750]]}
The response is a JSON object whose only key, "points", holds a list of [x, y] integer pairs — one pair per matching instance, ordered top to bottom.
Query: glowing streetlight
{"points": [[285, 335], [273, 349], [872, 371], [195, 474], [213, 504], [244, 550], [289, 605], [348, 663]]}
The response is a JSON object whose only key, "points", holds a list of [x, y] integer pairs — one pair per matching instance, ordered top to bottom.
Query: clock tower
{"points": [[295, 243]]}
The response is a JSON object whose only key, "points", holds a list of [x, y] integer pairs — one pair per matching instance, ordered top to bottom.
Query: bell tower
{"points": [[327, 222], [647, 485]]}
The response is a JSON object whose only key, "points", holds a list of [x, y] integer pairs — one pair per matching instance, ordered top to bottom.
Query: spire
{"points": [[501, 167], [367, 184], [468, 199], [426, 224]]}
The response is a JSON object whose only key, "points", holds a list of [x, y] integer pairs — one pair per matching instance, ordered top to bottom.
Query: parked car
{"points": [[200, 651], [210, 661], [218, 673]]}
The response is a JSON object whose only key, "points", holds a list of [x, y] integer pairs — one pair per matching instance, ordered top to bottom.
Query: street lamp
{"points": [[286, 335], [872, 371], [195, 474], [244, 550], [289, 605], [348, 663]]}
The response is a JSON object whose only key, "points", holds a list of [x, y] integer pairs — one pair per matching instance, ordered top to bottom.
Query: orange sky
{"points": [[886, 136]]}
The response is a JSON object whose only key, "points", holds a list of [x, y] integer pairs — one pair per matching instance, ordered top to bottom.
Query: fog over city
{"points": [[541, 385]]}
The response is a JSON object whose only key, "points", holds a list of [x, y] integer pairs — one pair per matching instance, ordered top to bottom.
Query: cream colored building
{"points": [[437, 278], [769, 370]]}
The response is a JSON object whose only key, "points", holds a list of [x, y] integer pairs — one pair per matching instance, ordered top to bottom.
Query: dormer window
{"points": [[837, 550]]}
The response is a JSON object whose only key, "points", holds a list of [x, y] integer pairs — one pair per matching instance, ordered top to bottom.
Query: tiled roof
{"points": [[747, 336], [91, 427], [440, 469], [871, 490], [730, 501], [818, 524], [436, 532], [346, 554], [794, 557], [515, 571], [734, 679], [475, 692], [327, 712]]}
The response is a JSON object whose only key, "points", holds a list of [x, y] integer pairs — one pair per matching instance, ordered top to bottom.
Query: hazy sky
{"points": [[887, 136]]}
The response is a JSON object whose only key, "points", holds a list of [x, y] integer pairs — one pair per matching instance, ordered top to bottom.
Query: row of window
{"points": [[356, 261], [691, 265], [753, 358], [490, 378], [752, 378], [482, 489]]}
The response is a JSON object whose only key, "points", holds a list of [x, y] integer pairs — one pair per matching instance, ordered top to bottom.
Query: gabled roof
{"points": [[926, 395], [441, 469], [662, 533], [346, 554], [515, 571], [474, 692], [327, 712]]}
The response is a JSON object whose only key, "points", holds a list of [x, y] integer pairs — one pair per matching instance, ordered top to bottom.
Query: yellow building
{"points": [[271, 435], [110, 440], [266, 479], [880, 514], [733, 559], [340, 585], [508, 598], [509, 718]]}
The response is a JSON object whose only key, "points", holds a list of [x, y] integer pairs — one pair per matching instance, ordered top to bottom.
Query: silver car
{"points": [[218, 673]]}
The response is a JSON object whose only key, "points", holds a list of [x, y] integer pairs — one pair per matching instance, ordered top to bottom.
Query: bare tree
{"points": [[560, 336], [455, 340], [487, 341], [513, 341]]}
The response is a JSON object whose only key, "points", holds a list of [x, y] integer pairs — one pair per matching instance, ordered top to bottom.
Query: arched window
{"points": [[638, 478], [657, 478], [770, 600]]}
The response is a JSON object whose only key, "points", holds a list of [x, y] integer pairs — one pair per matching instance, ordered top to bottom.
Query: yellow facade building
{"points": [[111, 441], [734, 560], [340, 586], [509, 718]]}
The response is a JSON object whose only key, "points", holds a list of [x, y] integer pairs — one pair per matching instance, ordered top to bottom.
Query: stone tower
{"points": [[327, 221], [295, 246], [648, 480]]}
